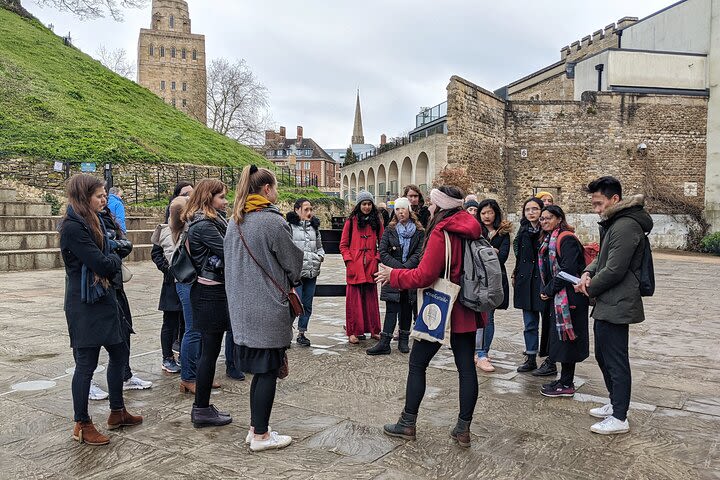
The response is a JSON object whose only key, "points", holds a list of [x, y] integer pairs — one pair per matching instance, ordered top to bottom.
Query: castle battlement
{"points": [[599, 40]]}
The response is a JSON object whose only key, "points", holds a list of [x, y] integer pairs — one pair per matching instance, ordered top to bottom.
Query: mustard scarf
{"points": [[256, 202]]}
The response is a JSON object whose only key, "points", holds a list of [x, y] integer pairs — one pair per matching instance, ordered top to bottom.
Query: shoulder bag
{"points": [[181, 265]]}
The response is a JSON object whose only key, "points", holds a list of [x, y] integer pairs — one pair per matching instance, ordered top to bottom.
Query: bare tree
{"points": [[93, 8], [117, 61], [237, 102]]}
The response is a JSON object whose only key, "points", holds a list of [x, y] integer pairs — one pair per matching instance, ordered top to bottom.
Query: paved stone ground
{"points": [[337, 399]]}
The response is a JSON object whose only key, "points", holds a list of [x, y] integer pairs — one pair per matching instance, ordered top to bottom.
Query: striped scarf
{"points": [[563, 320]]}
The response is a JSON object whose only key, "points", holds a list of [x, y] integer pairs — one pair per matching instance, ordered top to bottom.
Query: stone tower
{"points": [[171, 59], [357, 137]]}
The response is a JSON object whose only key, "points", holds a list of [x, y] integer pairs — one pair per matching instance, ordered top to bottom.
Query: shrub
{"points": [[54, 202], [711, 243]]}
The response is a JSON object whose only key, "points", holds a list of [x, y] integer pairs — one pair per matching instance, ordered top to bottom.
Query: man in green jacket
{"points": [[612, 279]]}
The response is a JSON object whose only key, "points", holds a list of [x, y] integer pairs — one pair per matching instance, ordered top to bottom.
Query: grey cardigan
{"points": [[259, 312]]}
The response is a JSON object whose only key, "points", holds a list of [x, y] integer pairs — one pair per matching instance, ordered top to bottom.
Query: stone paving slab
{"points": [[337, 398]]}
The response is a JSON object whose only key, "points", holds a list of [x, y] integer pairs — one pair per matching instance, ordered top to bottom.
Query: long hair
{"points": [[252, 180], [414, 188], [80, 189], [178, 189], [201, 199], [559, 213], [441, 214], [498, 214], [373, 218], [175, 220], [524, 221]]}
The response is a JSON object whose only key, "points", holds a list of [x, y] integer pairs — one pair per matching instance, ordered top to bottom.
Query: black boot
{"points": [[403, 341], [382, 347], [530, 363], [548, 368], [208, 417], [404, 428], [461, 432]]}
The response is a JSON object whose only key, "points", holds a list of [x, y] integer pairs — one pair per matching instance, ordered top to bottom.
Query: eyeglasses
{"points": [[532, 209]]}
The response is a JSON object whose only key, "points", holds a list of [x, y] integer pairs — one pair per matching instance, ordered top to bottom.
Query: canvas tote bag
{"points": [[436, 304]]}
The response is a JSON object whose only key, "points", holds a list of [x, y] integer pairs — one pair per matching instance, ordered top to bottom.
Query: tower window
{"points": [[172, 21], [152, 50], [162, 52], [172, 52], [183, 53], [194, 54], [162, 84], [172, 86], [184, 87], [173, 102], [184, 102]]}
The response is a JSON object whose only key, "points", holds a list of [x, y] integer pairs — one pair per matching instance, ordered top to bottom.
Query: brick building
{"points": [[171, 59], [312, 165]]}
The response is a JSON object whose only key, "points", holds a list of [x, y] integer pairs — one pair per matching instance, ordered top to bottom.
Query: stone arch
{"points": [[151, 50], [162, 51], [173, 51], [406, 171], [422, 172], [393, 178], [361, 181], [371, 181], [382, 185], [346, 187], [353, 187]]}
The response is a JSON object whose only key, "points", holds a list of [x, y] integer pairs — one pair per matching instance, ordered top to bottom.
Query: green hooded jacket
{"points": [[616, 270]]}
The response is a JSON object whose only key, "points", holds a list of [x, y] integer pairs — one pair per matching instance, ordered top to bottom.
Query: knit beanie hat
{"points": [[540, 195], [365, 196], [402, 202], [471, 203]]}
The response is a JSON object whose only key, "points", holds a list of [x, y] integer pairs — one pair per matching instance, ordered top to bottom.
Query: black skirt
{"points": [[209, 308], [258, 360]]}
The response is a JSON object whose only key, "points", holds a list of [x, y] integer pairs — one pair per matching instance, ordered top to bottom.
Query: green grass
{"points": [[57, 103]]}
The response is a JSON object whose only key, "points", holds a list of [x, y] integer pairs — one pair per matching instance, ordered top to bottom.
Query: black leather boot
{"points": [[404, 341], [382, 347], [530, 363], [548, 368], [208, 417], [404, 428], [461, 432]]}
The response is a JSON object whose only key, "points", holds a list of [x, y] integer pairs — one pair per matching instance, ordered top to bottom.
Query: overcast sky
{"points": [[313, 54]]}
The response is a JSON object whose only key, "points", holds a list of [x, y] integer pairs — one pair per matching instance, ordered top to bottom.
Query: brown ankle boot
{"points": [[187, 387], [121, 418], [85, 432], [461, 432]]}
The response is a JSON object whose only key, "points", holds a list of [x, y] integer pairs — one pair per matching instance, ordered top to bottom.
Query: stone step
{"points": [[8, 194], [23, 209], [47, 223], [42, 240], [45, 258]]}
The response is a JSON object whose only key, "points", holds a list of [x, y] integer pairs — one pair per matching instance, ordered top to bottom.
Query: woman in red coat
{"points": [[448, 216], [359, 248]]}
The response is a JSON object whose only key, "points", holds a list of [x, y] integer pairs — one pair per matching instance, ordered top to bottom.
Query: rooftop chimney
{"points": [[282, 132], [299, 135], [269, 136]]}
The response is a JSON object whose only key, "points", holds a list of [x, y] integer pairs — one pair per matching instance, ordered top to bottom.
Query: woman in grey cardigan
{"points": [[259, 251]]}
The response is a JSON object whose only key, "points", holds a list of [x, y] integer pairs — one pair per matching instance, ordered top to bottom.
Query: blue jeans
{"points": [[306, 292], [531, 333], [484, 336], [191, 346]]}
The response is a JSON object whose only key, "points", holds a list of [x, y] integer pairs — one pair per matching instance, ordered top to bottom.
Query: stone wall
{"points": [[558, 87]]}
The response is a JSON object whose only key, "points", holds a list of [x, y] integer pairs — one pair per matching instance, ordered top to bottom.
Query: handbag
{"points": [[181, 265], [127, 275], [436, 303], [296, 307], [284, 370]]}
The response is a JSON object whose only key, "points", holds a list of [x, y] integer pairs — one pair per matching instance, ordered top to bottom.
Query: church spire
{"points": [[357, 136]]}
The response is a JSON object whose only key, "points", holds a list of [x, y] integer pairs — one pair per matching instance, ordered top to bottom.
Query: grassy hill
{"points": [[58, 103]]}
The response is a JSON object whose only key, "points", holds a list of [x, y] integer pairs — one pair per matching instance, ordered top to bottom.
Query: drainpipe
{"points": [[619, 34], [599, 67]]}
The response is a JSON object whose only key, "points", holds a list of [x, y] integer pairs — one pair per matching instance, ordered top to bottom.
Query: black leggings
{"points": [[393, 310], [169, 331], [211, 343], [463, 346], [86, 361], [567, 374], [262, 397]]}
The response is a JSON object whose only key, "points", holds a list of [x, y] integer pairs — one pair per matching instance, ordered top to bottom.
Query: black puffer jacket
{"points": [[206, 237], [391, 255]]}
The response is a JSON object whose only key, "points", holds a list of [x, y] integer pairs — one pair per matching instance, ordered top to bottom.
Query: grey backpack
{"points": [[481, 287]]}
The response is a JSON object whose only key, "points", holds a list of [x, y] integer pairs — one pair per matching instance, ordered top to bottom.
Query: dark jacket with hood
{"points": [[206, 236], [391, 255], [615, 272], [527, 285], [89, 325]]}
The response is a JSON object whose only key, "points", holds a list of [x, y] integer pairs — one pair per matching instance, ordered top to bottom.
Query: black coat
{"points": [[501, 241], [123, 248], [391, 255], [571, 259], [527, 276], [169, 300], [89, 325]]}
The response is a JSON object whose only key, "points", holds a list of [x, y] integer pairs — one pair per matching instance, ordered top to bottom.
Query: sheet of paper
{"points": [[569, 278]]}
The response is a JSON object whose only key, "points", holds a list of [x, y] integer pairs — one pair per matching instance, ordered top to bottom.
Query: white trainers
{"points": [[135, 383], [97, 393], [602, 412], [611, 426], [251, 434], [274, 442]]}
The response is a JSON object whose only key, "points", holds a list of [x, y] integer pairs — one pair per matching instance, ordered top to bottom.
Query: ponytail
{"points": [[252, 180]]}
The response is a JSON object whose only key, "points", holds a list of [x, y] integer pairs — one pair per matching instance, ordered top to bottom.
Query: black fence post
{"points": [[194, 176], [158, 185], [137, 198]]}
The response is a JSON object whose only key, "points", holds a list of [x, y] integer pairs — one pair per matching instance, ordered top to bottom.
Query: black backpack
{"points": [[647, 269]]}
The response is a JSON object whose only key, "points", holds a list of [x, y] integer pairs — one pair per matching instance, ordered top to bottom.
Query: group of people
{"points": [[246, 270]]}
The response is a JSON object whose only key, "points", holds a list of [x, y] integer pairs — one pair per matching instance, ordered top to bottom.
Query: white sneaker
{"points": [[135, 383], [97, 393], [602, 412], [611, 426], [251, 434], [274, 442]]}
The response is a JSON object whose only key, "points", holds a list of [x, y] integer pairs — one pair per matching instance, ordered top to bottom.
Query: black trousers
{"points": [[401, 310], [546, 317], [169, 331], [211, 342], [463, 346], [611, 353], [86, 361], [567, 374], [262, 397]]}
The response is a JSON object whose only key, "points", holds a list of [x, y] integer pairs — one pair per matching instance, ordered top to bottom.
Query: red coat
{"points": [[460, 226], [360, 253]]}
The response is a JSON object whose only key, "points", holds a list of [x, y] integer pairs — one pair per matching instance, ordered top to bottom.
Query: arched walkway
{"points": [[406, 173], [422, 174], [393, 179], [361, 181], [371, 181], [382, 182], [353, 187], [346, 188]]}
